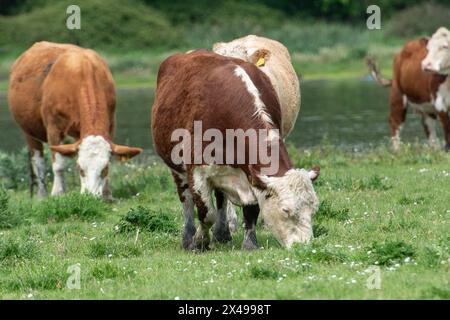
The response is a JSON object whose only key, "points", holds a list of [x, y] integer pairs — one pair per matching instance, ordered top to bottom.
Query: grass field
{"points": [[378, 208]]}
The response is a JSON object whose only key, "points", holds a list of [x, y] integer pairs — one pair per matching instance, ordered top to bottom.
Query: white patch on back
{"points": [[251, 88], [93, 156]]}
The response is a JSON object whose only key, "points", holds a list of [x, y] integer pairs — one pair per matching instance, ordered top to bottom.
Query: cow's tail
{"points": [[375, 72]]}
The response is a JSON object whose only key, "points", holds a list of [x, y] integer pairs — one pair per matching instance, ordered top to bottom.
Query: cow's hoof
{"points": [[222, 235], [250, 243], [199, 244], [198, 247]]}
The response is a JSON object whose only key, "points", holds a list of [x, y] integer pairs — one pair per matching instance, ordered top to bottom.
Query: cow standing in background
{"points": [[421, 82], [60, 90], [224, 94]]}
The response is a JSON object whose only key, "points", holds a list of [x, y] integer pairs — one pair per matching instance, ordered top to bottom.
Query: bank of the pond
{"points": [[378, 210]]}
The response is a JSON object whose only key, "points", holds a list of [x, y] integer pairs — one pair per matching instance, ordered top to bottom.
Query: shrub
{"points": [[129, 24], [14, 169], [130, 179], [81, 206], [326, 211], [12, 213], [148, 220], [113, 249], [12, 250], [390, 252], [316, 253], [107, 270], [264, 272], [35, 279]]}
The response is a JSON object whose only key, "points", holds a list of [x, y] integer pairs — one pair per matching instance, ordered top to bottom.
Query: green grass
{"points": [[378, 208]]}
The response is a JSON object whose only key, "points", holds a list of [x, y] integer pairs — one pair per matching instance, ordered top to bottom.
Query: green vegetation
{"points": [[327, 39], [378, 208]]}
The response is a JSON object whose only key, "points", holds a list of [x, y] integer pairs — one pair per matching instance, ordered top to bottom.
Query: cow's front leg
{"points": [[445, 122], [54, 137], [59, 185], [251, 213], [221, 231]]}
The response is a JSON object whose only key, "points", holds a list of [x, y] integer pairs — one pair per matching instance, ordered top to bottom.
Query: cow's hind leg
{"points": [[445, 122], [429, 125], [37, 166], [186, 199], [250, 218], [221, 231], [201, 239]]}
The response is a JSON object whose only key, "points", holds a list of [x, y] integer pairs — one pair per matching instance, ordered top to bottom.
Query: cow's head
{"points": [[438, 57], [94, 156], [288, 204]]}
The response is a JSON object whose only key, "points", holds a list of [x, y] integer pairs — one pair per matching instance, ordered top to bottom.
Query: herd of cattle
{"points": [[61, 90]]}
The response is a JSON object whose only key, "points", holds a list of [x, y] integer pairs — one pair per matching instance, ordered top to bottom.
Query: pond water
{"points": [[349, 113]]}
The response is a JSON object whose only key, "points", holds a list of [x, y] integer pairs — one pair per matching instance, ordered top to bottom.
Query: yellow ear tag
{"points": [[261, 62], [124, 158]]}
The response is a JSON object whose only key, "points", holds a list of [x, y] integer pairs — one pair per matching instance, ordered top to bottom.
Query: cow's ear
{"points": [[260, 57], [68, 150], [125, 153], [314, 173]]}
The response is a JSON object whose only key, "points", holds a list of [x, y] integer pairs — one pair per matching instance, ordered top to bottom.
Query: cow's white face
{"points": [[438, 57], [94, 155], [288, 204]]}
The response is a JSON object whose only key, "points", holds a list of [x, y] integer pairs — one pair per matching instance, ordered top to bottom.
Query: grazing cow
{"points": [[274, 60], [422, 84], [60, 90], [225, 94]]}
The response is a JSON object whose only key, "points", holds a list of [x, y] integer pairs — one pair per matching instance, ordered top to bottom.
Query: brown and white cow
{"points": [[274, 60], [420, 84], [60, 90], [224, 94]]}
